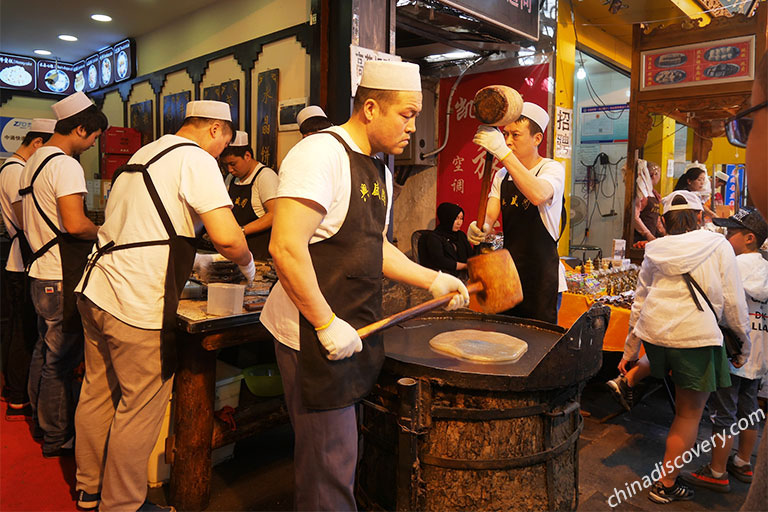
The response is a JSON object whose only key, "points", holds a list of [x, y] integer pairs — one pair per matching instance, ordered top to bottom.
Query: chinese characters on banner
{"points": [[229, 93], [174, 110], [266, 119], [141, 120], [563, 132], [460, 164]]}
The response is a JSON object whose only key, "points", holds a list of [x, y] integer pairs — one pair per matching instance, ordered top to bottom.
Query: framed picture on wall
{"points": [[228, 92], [174, 110], [287, 112], [142, 120]]}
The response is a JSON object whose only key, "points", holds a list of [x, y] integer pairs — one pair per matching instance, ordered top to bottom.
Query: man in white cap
{"points": [[312, 119], [252, 187], [528, 192], [60, 237], [330, 251], [129, 294], [19, 322]]}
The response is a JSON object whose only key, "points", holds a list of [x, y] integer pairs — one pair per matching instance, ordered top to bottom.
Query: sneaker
{"points": [[621, 391], [22, 413], [743, 473], [703, 477], [678, 492], [87, 501], [148, 506]]}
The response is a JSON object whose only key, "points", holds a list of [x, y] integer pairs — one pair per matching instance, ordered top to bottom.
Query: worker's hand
{"points": [[492, 140], [476, 236], [202, 266], [249, 270], [445, 284], [340, 339]]}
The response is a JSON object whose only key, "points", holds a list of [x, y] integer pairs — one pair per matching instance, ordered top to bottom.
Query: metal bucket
{"points": [[442, 434]]}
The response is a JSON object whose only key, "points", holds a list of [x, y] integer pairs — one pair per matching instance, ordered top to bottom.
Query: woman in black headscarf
{"points": [[446, 248]]}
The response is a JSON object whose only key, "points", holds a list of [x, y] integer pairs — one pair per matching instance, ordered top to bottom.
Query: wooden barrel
{"points": [[441, 438]]}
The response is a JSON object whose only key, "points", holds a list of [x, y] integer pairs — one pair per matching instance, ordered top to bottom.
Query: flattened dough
{"points": [[480, 346]]}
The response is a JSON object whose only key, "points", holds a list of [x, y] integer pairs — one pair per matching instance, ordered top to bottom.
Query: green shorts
{"points": [[698, 369]]}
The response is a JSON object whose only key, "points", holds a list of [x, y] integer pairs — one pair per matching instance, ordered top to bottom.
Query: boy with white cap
{"points": [[312, 119], [252, 187], [528, 192], [60, 236], [330, 251], [130, 290], [19, 329]]}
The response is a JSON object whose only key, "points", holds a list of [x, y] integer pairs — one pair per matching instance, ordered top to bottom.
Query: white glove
{"points": [[492, 140], [476, 236], [203, 266], [249, 270], [445, 284], [340, 339]]}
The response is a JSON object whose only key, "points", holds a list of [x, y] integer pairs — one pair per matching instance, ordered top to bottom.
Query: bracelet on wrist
{"points": [[333, 317]]}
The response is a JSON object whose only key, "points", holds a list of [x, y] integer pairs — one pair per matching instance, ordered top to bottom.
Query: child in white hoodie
{"points": [[747, 230], [680, 337]]}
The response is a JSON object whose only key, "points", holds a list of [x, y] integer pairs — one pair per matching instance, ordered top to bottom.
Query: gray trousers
{"points": [[121, 409], [325, 451]]}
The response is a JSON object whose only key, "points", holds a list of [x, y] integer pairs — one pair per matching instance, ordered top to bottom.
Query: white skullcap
{"points": [[391, 76], [71, 105], [209, 109], [310, 111], [536, 114], [43, 125], [241, 139], [721, 175], [692, 201]]}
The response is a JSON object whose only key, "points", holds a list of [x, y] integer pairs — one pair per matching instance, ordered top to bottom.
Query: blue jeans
{"points": [[52, 369]]}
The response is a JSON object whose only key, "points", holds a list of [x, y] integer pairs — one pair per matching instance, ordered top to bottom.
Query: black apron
{"points": [[650, 217], [18, 233], [258, 243], [534, 252], [74, 255], [181, 258], [348, 266]]}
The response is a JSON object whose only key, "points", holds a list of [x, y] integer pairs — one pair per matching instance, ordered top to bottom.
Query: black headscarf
{"points": [[446, 216]]}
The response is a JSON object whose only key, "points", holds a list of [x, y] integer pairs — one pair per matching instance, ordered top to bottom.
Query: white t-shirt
{"points": [[317, 168], [62, 176], [262, 191], [9, 194], [550, 212], [129, 284]]}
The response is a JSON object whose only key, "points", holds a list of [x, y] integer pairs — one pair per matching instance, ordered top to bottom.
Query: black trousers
{"points": [[18, 334]]}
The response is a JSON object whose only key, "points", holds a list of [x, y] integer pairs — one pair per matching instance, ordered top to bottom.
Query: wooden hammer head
{"points": [[498, 105], [501, 283]]}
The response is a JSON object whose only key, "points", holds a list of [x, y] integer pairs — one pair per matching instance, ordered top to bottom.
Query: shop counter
{"points": [[574, 305], [196, 432]]}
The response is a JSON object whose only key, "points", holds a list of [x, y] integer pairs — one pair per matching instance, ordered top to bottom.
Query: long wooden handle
{"points": [[484, 188], [414, 311]]}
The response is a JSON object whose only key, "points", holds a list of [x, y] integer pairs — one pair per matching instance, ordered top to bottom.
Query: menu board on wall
{"points": [[712, 62], [125, 65], [106, 67], [78, 70], [17, 73], [92, 73], [55, 77], [228, 92], [174, 109], [266, 119], [141, 120]]}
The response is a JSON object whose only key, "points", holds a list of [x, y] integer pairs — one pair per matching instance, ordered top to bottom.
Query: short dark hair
{"points": [[382, 97], [91, 119], [199, 122], [314, 124], [533, 126], [30, 136], [238, 151], [691, 175], [678, 222]]}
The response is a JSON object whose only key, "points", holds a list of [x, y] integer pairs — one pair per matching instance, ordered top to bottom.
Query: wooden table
{"points": [[195, 430]]}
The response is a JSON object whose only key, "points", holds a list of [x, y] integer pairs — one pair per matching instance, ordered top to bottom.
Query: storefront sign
{"points": [[518, 16], [358, 56], [713, 62], [17, 72], [55, 77], [266, 120], [604, 124], [12, 132], [563, 132], [460, 164], [734, 187]]}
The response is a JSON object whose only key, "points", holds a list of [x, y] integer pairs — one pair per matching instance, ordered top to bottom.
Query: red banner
{"points": [[460, 164]]}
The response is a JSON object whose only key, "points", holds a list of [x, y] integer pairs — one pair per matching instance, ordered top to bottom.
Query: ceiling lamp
{"points": [[101, 17], [66, 37], [42, 52], [581, 74]]}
